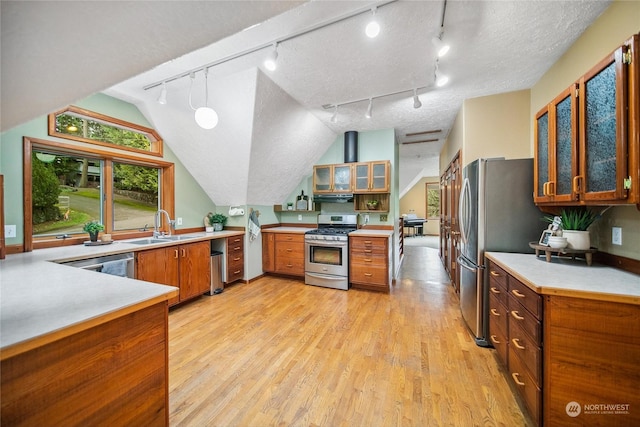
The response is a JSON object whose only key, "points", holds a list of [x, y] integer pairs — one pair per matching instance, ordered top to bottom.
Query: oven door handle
{"points": [[329, 243], [325, 276]]}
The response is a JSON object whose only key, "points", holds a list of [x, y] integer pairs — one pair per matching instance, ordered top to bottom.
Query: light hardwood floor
{"points": [[276, 352]]}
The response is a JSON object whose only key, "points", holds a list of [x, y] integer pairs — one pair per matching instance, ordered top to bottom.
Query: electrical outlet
{"points": [[300, 217], [383, 217], [366, 219], [178, 221], [9, 231], [616, 235]]}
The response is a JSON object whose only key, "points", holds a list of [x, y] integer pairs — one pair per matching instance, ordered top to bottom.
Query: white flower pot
{"points": [[208, 229], [577, 239]]}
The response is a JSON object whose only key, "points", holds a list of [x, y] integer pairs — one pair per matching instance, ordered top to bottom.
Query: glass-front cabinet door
{"points": [[564, 120], [603, 130], [542, 164], [372, 177], [322, 178], [342, 178]]}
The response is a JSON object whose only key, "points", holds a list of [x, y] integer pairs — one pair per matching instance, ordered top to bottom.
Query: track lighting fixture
{"points": [[373, 28], [441, 47], [270, 62], [441, 79], [162, 99], [416, 101], [368, 114], [206, 117], [334, 117]]}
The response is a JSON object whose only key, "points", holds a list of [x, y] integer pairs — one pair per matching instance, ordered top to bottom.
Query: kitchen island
{"points": [[569, 335], [79, 347]]}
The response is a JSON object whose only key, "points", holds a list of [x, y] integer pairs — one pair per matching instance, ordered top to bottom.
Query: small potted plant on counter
{"points": [[217, 221], [93, 228]]}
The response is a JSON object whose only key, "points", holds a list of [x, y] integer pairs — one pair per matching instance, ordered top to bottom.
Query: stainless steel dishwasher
{"points": [[124, 260]]}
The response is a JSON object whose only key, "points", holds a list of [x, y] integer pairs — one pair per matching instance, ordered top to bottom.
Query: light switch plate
{"points": [[300, 217], [9, 231], [616, 235]]}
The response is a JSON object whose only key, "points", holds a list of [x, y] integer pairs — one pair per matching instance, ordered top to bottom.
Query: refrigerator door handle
{"points": [[463, 211], [462, 262]]}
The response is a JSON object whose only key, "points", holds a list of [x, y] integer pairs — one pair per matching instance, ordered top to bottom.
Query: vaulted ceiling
{"points": [[274, 124]]}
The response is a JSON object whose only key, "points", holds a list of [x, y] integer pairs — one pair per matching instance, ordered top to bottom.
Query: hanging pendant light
{"points": [[373, 28], [416, 101], [369, 109], [206, 117]]}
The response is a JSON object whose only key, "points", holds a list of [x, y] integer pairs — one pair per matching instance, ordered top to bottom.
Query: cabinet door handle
{"points": [[576, 183], [544, 188], [551, 190], [367, 242], [237, 248], [289, 249], [367, 251], [184, 253], [175, 255], [237, 258], [289, 265], [236, 272], [494, 273], [368, 274], [495, 290], [518, 293], [494, 312], [514, 313], [494, 339], [516, 342], [515, 375]]}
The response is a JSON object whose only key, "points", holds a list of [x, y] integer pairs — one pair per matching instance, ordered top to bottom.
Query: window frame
{"points": [[156, 148], [436, 187], [167, 188]]}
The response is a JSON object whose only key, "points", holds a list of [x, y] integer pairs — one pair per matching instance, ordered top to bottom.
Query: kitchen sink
{"points": [[149, 241]]}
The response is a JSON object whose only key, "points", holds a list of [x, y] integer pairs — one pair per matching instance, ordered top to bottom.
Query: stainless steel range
{"points": [[327, 251]]}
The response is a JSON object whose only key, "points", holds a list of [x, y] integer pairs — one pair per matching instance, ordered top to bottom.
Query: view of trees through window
{"points": [[97, 131], [433, 200]]}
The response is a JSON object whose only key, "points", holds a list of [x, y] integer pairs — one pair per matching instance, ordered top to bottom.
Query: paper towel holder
{"points": [[236, 211]]}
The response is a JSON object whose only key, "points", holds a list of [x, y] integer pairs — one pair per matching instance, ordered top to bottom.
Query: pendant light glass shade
{"points": [[373, 28], [270, 63], [206, 117]]}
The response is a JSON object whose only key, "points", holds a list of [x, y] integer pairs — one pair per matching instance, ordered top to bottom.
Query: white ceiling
{"points": [[272, 124]]}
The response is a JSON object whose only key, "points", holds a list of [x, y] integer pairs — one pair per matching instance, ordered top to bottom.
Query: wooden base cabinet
{"points": [[283, 253], [235, 259], [370, 263], [184, 266], [515, 329], [592, 352], [112, 374]]}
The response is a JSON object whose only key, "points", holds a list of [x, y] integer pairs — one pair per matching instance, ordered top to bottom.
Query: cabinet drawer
{"points": [[285, 237], [235, 241], [369, 243], [289, 251], [377, 260], [293, 266], [234, 274], [368, 274], [497, 276], [527, 297], [498, 313], [524, 319], [498, 337], [529, 353], [528, 389]]}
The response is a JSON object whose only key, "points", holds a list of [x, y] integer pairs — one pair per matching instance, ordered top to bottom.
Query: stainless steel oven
{"points": [[327, 251]]}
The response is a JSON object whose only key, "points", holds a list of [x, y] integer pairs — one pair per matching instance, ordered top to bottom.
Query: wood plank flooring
{"points": [[277, 352]]}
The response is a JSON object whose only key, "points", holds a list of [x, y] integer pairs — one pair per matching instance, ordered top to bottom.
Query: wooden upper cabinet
{"points": [[586, 139], [372, 177], [335, 178]]}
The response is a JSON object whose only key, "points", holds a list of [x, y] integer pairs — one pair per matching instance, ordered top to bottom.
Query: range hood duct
{"points": [[351, 146]]}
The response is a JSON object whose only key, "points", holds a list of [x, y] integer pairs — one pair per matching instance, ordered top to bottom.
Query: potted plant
{"points": [[372, 204], [289, 206], [217, 221], [574, 223], [93, 228]]}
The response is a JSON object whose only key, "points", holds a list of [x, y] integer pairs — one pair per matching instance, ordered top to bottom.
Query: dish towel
{"points": [[254, 226], [116, 268]]}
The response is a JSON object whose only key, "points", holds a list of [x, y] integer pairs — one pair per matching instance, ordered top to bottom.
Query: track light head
{"points": [[373, 28], [441, 47], [270, 63], [441, 79], [162, 99], [416, 101], [369, 109], [334, 117]]}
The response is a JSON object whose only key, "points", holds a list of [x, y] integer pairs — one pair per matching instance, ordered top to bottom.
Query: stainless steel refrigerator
{"points": [[496, 213]]}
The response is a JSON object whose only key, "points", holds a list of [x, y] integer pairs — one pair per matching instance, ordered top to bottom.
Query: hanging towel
{"points": [[254, 226], [116, 268]]}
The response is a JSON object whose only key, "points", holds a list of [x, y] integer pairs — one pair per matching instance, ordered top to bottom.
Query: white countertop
{"points": [[300, 230], [363, 232], [570, 277], [41, 300]]}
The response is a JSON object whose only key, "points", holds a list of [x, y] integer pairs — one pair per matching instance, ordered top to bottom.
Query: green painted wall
{"points": [[191, 201]]}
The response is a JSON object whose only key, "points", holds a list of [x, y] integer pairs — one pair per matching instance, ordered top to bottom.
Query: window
{"points": [[87, 126], [69, 185], [433, 200]]}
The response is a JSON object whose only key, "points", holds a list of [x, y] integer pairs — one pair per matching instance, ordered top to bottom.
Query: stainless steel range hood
{"points": [[332, 198]]}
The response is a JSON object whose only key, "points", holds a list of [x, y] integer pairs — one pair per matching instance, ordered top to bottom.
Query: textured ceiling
{"points": [[497, 46]]}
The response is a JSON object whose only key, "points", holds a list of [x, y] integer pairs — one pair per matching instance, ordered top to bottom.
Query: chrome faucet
{"points": [[156, 224]]}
